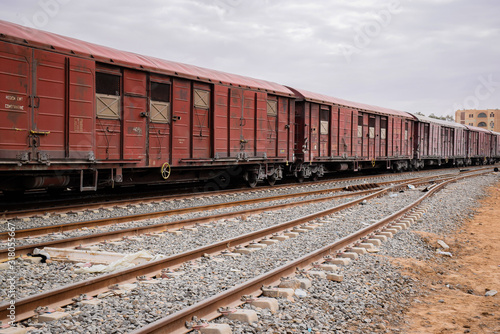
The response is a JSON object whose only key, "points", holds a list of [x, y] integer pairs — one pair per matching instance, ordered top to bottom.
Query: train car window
{"points": [[107, 84], [160, 92], [107, 96], [201, 99], [272, 108], [159, 109], [324, 121], [360, 126], [371, 127], [383, 128], [406, 131]]}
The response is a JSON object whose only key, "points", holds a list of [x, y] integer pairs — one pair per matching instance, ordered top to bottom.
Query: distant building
{"points": [[487, 119]]}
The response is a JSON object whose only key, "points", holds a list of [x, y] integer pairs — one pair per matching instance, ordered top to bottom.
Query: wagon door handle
{"points": [[34, 102], [176, 118], [111, 131], [39, 133]]}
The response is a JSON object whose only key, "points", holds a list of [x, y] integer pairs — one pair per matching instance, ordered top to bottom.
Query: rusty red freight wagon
{"points": [[80, 115], [334, 134], [440, 143], [479, 145], [495, 146]]}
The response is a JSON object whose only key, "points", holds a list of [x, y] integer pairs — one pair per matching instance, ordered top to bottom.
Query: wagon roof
{"points": [[33, 37], [315, 97], [426, 119], [475, 128]]}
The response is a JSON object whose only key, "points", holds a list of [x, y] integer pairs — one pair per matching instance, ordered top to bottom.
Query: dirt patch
{"points": [[454, 300]]}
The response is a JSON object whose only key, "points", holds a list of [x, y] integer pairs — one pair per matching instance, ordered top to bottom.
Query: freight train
{"points": [[82, 116]]}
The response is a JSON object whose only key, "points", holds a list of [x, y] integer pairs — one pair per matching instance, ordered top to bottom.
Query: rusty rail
{"points": [[149, 199], [161, 227], [59, 228], [32, 232], [93, 286], [62, 296], [208, 308]]}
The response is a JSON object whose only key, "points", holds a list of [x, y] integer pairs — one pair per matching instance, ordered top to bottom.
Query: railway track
{"points": [[62, 205], [162, 227], [60, 228], [141, 230], [93, 286], [211, 307]]}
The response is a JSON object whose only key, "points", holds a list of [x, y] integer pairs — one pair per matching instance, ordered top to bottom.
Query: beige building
{"points": [[487, 119]]}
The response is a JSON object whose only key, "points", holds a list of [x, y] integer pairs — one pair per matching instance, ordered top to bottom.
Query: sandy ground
{"points": [[455, 299]]}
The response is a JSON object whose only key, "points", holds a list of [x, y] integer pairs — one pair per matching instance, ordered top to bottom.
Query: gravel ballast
{"points": [[205, 199], [372, 286]]}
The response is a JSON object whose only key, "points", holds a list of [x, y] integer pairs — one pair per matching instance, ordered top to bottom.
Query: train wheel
{"points": [[252, 180], [271, 180]]}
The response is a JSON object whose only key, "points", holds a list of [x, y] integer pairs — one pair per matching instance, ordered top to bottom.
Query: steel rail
{"points": [[148, 199], [5, 214], [160, 227], [59, 228], [36, 231], [62, 296], [208, 308]]}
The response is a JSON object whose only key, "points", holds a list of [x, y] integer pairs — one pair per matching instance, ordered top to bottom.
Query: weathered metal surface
{"points": [[34, 37], [15, 90], [320, 98], [135, 104], [200, 120], [98, 237], [63, 296], [207, 309]]}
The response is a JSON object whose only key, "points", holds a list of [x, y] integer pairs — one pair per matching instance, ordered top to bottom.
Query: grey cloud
{"points": [[426, 56]]}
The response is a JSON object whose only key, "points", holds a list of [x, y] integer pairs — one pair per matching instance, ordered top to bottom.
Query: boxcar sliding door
{"points": [[160, 89], [15, 91], [48, 106], [108, 113], [201, 121], [272, 125]]}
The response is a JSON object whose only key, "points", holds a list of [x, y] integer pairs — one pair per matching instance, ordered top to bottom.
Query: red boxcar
{"points": [[82, 115], [334, 134], [439, 143], [479, 145], [495, 146]]}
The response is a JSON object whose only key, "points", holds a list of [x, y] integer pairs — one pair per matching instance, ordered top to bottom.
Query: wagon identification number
{"points": [[13, 98], [13, 106]]}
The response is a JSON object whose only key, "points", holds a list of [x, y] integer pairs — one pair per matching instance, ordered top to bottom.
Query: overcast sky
{"points": [[429, 56]]}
